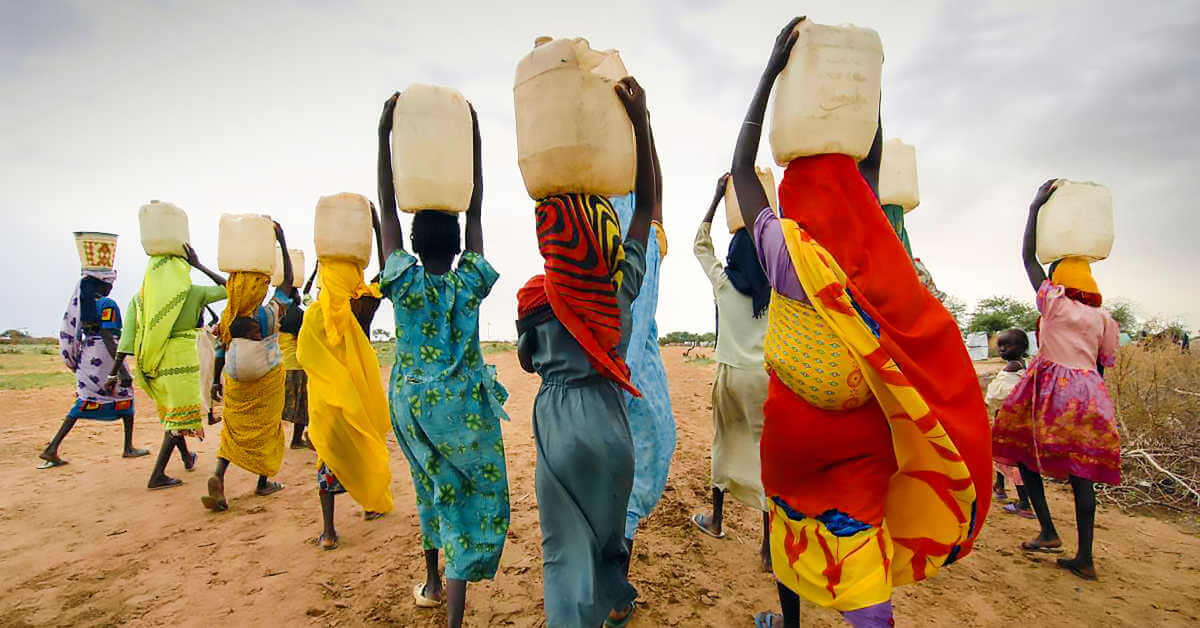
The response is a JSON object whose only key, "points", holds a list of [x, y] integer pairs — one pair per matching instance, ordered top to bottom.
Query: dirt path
{"points": [[87, 544]]}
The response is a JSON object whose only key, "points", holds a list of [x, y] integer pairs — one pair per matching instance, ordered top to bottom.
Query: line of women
{"points": [[846, 409]]}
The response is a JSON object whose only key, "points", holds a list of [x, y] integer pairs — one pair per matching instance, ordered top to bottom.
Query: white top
{"points": [[739, 334]]}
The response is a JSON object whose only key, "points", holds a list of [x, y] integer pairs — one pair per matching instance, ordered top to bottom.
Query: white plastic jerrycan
{"points": [[827, 97], [573, 134], [433, 149], [898, 175], [733, 211], [1077, 220], [164, 228], [343, 228], [246, 243]]}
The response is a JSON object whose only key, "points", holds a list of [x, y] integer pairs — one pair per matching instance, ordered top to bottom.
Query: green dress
{"points": [[446, 407], [585, 470]]}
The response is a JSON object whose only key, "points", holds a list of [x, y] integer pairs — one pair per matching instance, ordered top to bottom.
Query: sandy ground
{"points": [[87, 544]]}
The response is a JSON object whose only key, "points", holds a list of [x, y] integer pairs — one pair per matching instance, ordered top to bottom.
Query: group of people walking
{"points": [[846, 409]]}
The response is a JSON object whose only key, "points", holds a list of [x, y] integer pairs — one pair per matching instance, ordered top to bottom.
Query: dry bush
{"points": [[1156, 390]]}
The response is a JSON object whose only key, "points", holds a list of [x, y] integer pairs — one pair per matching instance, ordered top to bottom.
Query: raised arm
{"points": [[634, 98], [750, 195], [658, 209], [475, 210], [378, 237], [393, 238], [702, 248], [194, 260], [1033, 269], [288, 272], [311, 278]]}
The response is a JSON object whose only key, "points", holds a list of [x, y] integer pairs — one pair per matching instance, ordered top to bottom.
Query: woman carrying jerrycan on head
{"points": [[573, 326], [159, 331], [446, 403], [1059, 419], [876, 467]]}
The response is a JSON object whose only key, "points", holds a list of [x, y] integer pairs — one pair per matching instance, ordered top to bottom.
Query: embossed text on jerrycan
{"points": [[827, 97]]}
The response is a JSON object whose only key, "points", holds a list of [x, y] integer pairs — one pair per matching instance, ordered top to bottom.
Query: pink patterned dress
{"points": [[1059, 420]]}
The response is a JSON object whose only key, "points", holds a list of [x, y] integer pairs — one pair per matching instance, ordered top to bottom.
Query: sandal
{"points": [[50, 464], [171, 483], [271, 487], [215, 500], [1014, 509], [698, 519], [325, 542], [1038, 545], [1074, 568], [420, 599], [766, 619], [624, 621]]}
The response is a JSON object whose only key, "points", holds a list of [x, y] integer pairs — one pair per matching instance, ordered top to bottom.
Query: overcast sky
{"points": [[263, 107]]}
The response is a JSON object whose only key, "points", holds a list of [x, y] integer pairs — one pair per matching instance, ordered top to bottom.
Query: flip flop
{"points": [[136, 453], [50, 464], [170, 484], [272, 487], [212, 501], [1014, 509], [371, 516], [696, 520], [320, 542], [1041, 546], [1070, 566], [420, 599], [766, 619], [624, 621]]}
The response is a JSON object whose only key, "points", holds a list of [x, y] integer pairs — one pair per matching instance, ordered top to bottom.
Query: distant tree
{"points": [[958, 309], [998, 313], [1125, 313], [380, 335]]}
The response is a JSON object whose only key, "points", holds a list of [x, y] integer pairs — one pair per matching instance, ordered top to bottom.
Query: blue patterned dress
{"points": [[446, 407], [651, 422]]}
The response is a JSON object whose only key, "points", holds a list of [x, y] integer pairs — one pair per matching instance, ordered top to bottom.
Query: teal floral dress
{"points": [[446, 407]]}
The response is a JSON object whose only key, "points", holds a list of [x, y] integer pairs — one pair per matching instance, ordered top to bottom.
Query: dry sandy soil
{"points": [[87, 544]]}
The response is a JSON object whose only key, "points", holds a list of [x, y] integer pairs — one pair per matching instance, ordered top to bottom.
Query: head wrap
{"points": [[579, 237], [746, 273], [1075, 274], [246, 293], [81, 315]]}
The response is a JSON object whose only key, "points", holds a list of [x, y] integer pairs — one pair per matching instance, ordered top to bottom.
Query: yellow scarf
{"points": [[1075, 272], [246, 292], [348, 419]]}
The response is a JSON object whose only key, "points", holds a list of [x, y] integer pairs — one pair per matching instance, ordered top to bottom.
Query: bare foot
{"points": [[135, 453], [190, 464], [327, 542], [621, 617]]}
